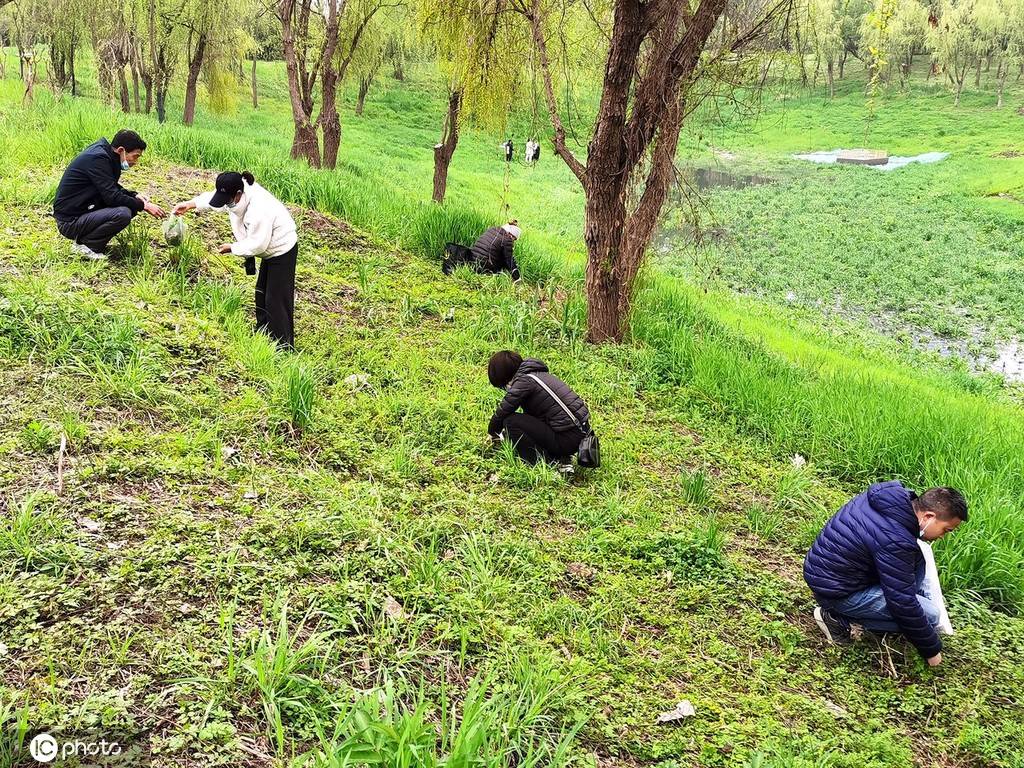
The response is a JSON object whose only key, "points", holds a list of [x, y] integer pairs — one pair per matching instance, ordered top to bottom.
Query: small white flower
{"points": [[798, 461]]}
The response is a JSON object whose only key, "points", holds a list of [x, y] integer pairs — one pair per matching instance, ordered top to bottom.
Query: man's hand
{"points": [[182, 208], [154, 210], [226, 248], [935, 660]]}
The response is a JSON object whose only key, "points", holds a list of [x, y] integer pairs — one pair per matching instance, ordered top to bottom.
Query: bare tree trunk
{"points": [[842, 62], [71, 68], [977, 74], [1001, 74], [831, 81], [192, 82], [122, 83], [147, 85], [135, 88], [364, 88], [255, 99], [161, 103], [329, 119], [449, 140], [304, 143]]}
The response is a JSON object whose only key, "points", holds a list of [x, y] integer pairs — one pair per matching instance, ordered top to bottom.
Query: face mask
{"points": [[124, 163], [231, 205], [921, 532]]}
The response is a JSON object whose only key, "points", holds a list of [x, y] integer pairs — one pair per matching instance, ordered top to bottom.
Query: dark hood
{"points": [[531, 365], [892, 500]]}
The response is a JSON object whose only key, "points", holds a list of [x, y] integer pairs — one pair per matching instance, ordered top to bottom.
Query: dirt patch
{"points": [[1010, 153]]}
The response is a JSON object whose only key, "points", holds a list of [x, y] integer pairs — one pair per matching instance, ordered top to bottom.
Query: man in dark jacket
{"points": [[91, 206], [492, 251], [554, 419], [866, 566]]}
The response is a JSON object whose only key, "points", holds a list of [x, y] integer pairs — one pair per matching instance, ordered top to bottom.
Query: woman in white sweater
{"points": [[262, 228]]}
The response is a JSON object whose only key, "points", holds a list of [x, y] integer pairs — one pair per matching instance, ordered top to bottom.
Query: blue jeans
{"points": [[869, 609]]}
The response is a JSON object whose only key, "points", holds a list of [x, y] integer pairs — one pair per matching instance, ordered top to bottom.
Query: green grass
{"points": [[260, 559]]}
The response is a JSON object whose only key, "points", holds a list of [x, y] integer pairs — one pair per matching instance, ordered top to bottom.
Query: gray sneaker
{"points": [[86, 252], [567, 469], [833, 626]]}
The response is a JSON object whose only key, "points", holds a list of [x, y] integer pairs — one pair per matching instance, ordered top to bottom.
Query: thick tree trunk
{"points": [[195, 64], [122, 83], [255, 99], [161, 103], [330, 120], [305, 143], [443, 152]]}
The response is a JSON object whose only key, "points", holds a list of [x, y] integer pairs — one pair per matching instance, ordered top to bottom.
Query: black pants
{"points": [[96, 229], [456, 255], [275, 298], [535, 441]]}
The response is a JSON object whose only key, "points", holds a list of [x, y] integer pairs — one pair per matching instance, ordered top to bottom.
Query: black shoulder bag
{"points": [[589, 453]]}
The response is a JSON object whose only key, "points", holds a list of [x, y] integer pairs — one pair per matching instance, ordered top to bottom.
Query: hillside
{"points": [[244, 543], [243, 558]]}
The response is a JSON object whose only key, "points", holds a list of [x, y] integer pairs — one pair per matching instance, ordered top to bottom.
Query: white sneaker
{"points": [[86, 252], [567, 469]]}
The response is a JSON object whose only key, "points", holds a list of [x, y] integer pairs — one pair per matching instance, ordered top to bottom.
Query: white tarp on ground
{"points": [[894, 161]]}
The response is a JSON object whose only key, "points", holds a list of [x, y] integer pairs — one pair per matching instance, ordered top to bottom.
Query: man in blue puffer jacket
{"points": [[866, 566]]}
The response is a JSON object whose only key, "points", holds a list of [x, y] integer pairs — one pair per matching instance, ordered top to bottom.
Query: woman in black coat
{"points": [[554, 419]]}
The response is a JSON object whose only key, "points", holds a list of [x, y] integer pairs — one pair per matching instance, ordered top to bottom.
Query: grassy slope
{"points": [[146, 597], [614, 620]]}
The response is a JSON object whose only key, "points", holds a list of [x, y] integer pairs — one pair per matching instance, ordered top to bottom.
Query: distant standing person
{"points": [[510, 150], [532, 151], [91, 206], [264, 229], [554, 419], [866, 566]]}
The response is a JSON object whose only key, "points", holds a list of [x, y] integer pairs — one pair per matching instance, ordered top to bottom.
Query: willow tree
{"points": [[1001, 27], [319, 39], [954, 42], [482, 54], [662, 60]]}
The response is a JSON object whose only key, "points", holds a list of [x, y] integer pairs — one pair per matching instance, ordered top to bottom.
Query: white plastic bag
{"points": [[175, 230], [933, 589]]}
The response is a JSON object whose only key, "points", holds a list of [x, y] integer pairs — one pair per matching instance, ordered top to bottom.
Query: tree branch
{"points": [[579, 170]]}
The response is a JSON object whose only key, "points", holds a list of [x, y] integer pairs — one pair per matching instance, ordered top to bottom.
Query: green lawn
{"points": [[917, 253]]}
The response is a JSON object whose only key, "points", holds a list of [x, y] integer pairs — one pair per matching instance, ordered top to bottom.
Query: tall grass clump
{"points": [[299, 388], [489, 726]]}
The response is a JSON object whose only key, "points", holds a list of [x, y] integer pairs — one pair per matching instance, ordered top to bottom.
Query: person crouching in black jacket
{"points": [[91, 206], [544, 430]]}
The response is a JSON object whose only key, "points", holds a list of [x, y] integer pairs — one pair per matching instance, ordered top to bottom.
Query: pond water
{"points": [[895, 161], [704, 178]]}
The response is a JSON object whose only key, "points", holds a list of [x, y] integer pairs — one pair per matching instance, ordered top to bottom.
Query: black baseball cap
{"points": [[229, 184]]}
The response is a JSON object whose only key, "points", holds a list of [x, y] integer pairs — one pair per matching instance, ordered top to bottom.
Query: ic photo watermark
{"points": [[45, 748]]}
